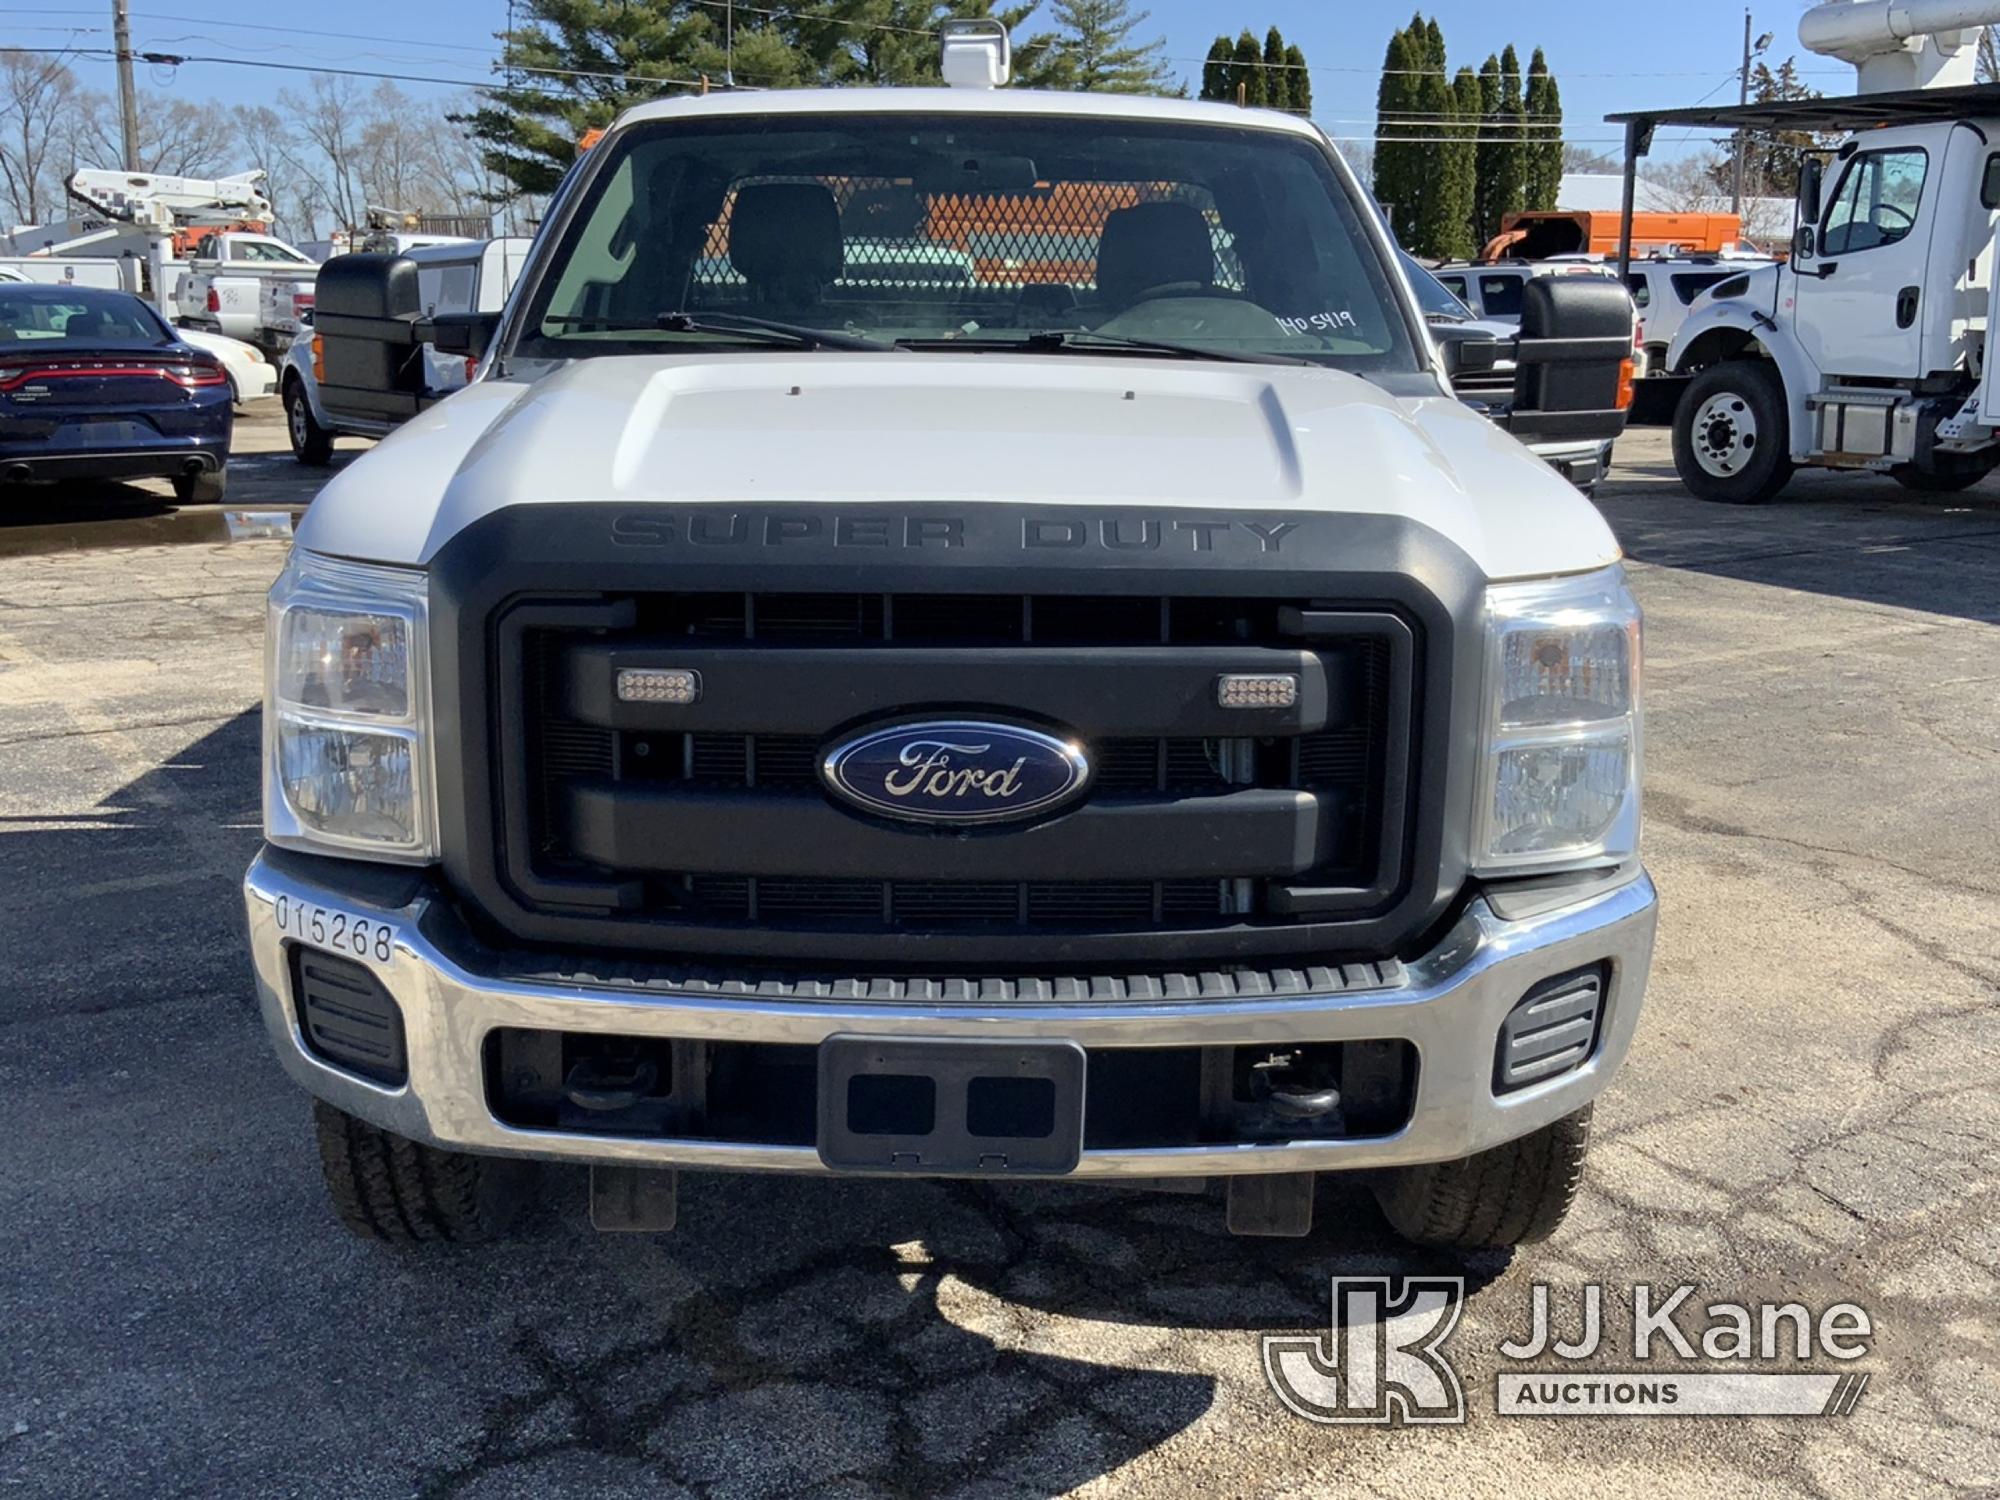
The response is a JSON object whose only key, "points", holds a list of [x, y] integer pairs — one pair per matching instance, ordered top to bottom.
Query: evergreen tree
{"points": [[882, 41], [1092, 49], [595, 58], [1218, 77], [1277, 82], [1250, 83], [1302, 89], [1486, 155], [1461, 159], [1502, 159], [1771, 160], [1396, 161], [1541, 178], [1436, 230]]}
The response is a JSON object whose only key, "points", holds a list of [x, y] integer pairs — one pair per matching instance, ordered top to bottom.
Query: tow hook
{"points": [[605, 1084], [1289, 1091]]}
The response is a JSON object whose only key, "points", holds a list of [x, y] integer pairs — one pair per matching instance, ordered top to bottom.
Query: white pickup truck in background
{"points": [[453, 276], [249, 286]]}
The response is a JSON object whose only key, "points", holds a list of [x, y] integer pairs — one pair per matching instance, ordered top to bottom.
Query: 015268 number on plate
{"points": [[335, 930]]}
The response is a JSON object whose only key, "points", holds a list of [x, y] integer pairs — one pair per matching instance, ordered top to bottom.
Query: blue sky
{"points": [[1605, 56]]}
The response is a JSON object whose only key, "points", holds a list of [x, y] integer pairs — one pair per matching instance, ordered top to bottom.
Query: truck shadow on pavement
{"points": [[1853, 536], [796, 1336], [912, 1338]]}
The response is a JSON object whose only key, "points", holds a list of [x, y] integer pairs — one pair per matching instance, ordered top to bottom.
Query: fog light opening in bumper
{"points": [[348, 1020], [1552, 1030]]}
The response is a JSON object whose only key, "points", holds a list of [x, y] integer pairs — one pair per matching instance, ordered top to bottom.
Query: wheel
{"points": [[1732, 434], [312, 444], [1911, 477], [205, 488], [385, 1187], [1512, 1195]]}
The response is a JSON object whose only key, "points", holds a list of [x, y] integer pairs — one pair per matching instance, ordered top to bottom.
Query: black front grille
{"points": [[1348, 764]]}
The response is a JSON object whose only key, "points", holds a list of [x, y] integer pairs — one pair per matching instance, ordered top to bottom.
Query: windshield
{"points": [[973, 231], [1433, 296]]}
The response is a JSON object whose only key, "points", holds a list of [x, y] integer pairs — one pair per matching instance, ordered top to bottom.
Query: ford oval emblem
{"points": [[959, 771]]}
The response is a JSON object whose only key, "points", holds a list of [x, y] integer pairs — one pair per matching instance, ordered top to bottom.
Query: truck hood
{"points": [[1752, 290], [829, 428]]}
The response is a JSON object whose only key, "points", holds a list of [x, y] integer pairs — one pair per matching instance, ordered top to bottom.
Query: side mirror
{"points": [[1810, 171], [1804, 243], [370, 325], [464, 333], [1466, 351], [1573, 361]]}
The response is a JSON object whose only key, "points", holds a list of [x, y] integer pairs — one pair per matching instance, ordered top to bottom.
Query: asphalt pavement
{"points": [[1809, 1113]]}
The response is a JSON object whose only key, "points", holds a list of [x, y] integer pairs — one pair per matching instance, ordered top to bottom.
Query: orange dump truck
{"points": [[1538, 234]]}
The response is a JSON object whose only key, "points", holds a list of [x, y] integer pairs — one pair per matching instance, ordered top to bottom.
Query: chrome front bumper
{"points": [[1450, 1008]]}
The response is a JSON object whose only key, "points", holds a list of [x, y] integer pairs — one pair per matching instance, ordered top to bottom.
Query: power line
{"points": [[804, 18], [341, 36], [488, 85]]}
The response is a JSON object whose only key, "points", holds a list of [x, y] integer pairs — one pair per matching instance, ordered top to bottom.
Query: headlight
{"points": [[347, 747], [1559, 780]]}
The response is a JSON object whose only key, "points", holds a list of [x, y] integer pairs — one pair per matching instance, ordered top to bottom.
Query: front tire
{"points": [[1732, 433], [312, 444], [205, 488], [386, 1187], [1515, 1194]]}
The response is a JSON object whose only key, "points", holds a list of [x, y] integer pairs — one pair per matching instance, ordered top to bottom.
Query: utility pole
{"points": [[128, 99], [1742, 141]]}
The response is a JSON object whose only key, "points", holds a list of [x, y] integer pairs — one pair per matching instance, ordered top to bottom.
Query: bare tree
{"points": [[38, 95], [328, 128], [177, 137], [266, 141], [391, 150], [416, 158], [1583, 159], [458, 161], [1693, 184], [1685, 185]]}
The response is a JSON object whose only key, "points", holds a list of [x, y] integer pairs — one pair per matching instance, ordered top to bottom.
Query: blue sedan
{"points": [[96, 385]]}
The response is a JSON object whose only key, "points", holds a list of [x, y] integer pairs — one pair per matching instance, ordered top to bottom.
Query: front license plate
{"points": [[335, 930], [950, 1106]]}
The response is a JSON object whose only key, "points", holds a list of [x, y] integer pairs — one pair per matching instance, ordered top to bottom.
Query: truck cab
{"points": [[252, 287], [1867, 349], [1103, 712]]}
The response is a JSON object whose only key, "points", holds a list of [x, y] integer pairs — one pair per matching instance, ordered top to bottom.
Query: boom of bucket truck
{"points": [[151, 222], [1868, 350]]}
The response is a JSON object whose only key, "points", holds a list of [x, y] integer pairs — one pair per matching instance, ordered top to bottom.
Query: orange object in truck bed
{"points": [[1538, 235]]}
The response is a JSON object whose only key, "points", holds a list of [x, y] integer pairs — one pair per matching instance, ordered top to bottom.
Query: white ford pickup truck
{"points": [[1107, 713]]}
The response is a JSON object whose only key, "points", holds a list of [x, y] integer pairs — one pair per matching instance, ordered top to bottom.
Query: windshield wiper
{"points": [[798, 335], [1086, 341]]}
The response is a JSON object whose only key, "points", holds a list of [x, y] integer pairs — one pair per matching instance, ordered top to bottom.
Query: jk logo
{"points": [[1382, 1362]]}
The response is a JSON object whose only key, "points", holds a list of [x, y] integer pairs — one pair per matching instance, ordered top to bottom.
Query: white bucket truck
{"points": [[1869, 349]]}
